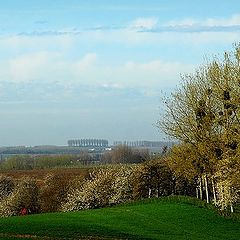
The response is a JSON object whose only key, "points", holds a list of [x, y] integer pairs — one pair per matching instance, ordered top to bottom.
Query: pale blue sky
{"points": [[97, 69]]}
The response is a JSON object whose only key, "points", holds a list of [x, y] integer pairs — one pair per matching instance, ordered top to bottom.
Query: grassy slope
{"points": [[145, 220]]}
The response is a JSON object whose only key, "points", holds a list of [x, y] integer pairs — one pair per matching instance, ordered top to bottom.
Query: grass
{"points": [[167, 218]]}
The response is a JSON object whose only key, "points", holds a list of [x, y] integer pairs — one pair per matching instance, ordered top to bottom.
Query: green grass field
{"points": [[155, 219]]}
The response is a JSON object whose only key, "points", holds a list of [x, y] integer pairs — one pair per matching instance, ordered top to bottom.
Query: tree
{"points": [[204, 112], [125, 154], [85, 158], [186, 168], [152, 178], [24, 195]]}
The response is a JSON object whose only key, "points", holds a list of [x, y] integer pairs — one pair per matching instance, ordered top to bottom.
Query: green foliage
{"points": [[44, 149], [28, 162], [18, 163]]}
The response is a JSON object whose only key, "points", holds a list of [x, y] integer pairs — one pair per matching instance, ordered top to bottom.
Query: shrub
{"points": [[106, 186], [6, 187], [54, 192], [25, 194]]}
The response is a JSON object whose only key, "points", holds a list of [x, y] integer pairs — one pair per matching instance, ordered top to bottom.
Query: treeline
{"points": [[204, 115], [44, 150], [120, 154], [125, 154], [29, 162], [99, 187]]}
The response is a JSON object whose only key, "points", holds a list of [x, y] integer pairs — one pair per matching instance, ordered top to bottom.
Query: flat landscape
{"points": [[120, 120], [149, 219]]}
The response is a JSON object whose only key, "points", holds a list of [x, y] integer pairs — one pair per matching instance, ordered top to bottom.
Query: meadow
{"points": [[164, 218]]}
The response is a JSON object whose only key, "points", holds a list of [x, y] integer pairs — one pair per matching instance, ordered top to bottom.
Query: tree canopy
{"points": [[204, 114]]}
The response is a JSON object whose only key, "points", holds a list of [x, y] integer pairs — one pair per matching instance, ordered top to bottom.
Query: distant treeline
{"points": [[52, 149], [43, 150], [120, 154], [28, 162]]}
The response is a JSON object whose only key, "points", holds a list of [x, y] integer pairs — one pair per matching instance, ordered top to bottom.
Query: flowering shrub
{"points": [[106, 186], [6, 187], [24, 195]]}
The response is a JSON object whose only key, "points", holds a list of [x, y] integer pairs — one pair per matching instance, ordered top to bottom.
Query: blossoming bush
{"points": [[106, 186], [6, 187], [24, 194]]}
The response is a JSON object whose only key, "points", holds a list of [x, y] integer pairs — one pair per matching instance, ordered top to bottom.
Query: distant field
{"points": [[40, 174], [155, 219]]}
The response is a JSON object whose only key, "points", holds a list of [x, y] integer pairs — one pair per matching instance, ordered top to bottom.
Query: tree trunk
{"points": [[174, 186], [206, 186], [200, 187], [157, 190], [149, 192], [197, 192], [214, 192], [222, 196], [231, 196], [231, 207]]}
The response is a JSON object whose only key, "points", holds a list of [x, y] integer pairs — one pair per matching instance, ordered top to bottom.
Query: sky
{"points": [[72, 69]]}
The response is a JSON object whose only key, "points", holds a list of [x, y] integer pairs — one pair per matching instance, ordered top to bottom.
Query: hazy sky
{"points": [[97, 69]]}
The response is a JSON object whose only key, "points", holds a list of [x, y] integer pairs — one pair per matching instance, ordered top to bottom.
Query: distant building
{"points": [[88, 143]]}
